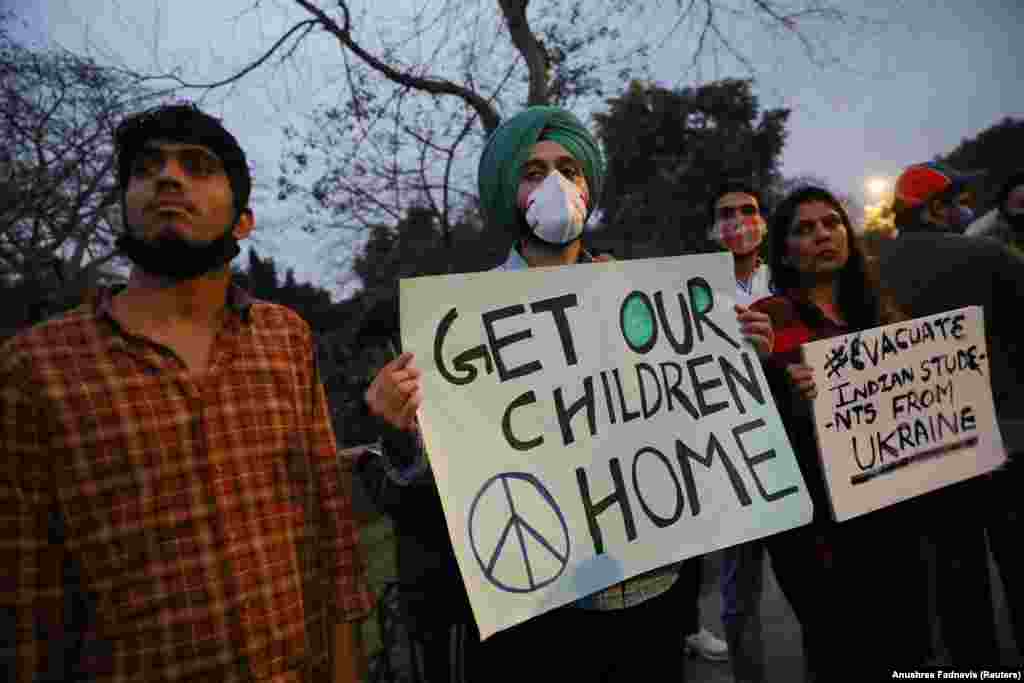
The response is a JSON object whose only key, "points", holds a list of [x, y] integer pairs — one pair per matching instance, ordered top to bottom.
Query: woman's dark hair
{"points": [[861, 300]]}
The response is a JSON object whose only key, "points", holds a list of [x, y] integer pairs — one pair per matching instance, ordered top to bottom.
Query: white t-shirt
{"points": [[757, 288]]}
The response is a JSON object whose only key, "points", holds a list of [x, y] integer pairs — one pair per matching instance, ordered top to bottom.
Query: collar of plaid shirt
{"points": [[239, 301]]}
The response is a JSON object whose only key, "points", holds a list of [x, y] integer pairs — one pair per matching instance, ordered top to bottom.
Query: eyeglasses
{"points": [[727, 212], [806, 227]]}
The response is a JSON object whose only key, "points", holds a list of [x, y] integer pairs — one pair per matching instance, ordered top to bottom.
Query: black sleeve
{"points": [[1008, 288], [778, 384], [398, 450]]}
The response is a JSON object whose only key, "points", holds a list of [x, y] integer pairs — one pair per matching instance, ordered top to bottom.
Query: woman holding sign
{"points": [[845, 583]]}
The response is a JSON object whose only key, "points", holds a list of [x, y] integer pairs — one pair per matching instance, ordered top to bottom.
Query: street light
{"points": [[877, 186], [878, 214]]}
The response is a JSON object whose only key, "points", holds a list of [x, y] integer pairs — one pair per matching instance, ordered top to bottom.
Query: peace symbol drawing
{"points": [[518, 533]]}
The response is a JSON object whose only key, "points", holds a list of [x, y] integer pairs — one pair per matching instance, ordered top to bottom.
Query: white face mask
{"points": [[556, 211]]}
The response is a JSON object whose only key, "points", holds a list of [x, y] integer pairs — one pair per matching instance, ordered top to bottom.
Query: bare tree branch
{"points": [[514, 13], [308, 25], [408, 103], [488, 115], [57, 190], [446, 203]]}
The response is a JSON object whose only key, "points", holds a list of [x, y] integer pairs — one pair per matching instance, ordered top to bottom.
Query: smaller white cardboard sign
{"points": [[904, 409]]}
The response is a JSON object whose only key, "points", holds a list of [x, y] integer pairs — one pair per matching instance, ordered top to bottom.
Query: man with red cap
{"points": [[934, 197], [930, 268]]}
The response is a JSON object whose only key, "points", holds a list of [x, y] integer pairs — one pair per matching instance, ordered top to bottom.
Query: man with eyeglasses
{"points": [[932, 197], [738, 224]]}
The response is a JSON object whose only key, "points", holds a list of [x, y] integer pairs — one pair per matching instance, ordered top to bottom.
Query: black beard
{"points": [[171, 257]]}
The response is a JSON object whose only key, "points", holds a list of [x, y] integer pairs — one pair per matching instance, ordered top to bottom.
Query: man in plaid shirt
{"points": [[171, 444]]}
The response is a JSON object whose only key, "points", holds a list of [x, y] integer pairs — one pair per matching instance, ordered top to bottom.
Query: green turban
{"points": [[509, 147]]}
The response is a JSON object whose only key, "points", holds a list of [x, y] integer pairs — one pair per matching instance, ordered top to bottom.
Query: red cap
{"points": [[921, 182]]}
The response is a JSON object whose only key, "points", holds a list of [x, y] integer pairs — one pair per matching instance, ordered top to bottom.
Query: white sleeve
{"points": [[987, 224]]}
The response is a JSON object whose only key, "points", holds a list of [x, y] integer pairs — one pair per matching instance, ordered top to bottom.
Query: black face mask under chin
{"points": [[176, 259]]}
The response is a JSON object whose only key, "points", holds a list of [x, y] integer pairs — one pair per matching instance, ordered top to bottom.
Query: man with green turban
{"points": [[504, 163], [540, 176]]}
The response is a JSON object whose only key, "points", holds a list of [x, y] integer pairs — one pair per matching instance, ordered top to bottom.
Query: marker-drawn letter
{"points": [[592, 510]]}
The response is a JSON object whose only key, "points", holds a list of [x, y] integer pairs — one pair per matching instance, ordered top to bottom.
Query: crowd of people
{"points": [[168, 446]]}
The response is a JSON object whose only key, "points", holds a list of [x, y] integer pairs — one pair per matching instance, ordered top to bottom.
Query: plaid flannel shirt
{"points": [[204, 511]]}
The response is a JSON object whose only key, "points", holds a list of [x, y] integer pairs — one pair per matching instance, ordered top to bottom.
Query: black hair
{"points": [[186, 123], [1015, 179], [731, 186], [861, 300]]}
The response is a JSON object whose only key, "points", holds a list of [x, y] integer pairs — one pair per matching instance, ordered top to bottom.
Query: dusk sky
{"points": [[908, 89]]}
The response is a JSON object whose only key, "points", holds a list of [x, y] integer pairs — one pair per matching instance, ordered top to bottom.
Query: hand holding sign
{"points": [[757, 328], [802, 379], [395, 394], [905, 409], [607, 416]]}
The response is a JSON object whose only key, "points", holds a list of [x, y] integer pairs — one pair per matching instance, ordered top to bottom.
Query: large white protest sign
{"points": [[904, 409], [588, 423]]}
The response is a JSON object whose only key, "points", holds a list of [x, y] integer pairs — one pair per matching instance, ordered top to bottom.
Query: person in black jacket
{"points": [[933, 197], [1005, 222], [929, 272], [397, 479], [434, 602]]}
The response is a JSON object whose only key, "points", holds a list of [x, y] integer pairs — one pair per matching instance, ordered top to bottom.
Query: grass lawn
{"points": [[377, 537]]}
